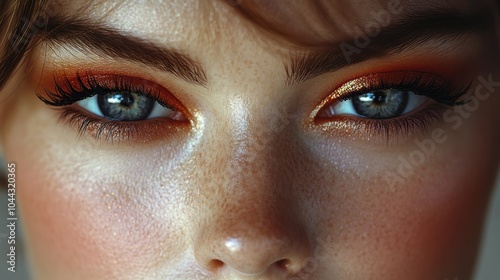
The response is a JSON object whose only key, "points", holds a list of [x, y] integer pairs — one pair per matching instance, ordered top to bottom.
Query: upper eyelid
{"points": [[406, 80], [449, 92], [66, 93]]}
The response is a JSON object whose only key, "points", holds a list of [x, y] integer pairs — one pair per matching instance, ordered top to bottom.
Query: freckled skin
{"points": [[252, 190]]}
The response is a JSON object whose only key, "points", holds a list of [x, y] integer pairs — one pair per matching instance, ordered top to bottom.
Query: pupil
{"points": [[379, 98], [127, 100]]}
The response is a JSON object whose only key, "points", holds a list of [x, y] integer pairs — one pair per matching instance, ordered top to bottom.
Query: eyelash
{"points": [[91, 86], [66, 93], [446, 94]]}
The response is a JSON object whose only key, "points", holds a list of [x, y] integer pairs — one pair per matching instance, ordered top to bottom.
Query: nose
{"points": [[252, 226], [249, 244]]}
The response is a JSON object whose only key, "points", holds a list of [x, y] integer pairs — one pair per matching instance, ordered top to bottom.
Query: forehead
{"points": [[177, 20], [216, 32]]}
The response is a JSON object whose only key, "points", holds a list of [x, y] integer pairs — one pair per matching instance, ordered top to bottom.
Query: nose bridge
{"points": [[259, 146], [260, 179], [253, 226]]}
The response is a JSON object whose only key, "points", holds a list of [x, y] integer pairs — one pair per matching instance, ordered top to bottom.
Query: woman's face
{"points": [[276, 162]]}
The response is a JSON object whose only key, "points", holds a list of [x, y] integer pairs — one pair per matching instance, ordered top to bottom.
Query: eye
{"points": [[390, 95], [376, 104], [127, 106], [389, 106], [116, 108]]}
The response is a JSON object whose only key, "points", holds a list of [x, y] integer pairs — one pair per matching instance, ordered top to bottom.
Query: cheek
{"points": [[84, 210], [424, 223], [78, 224], [430, 229], [418, 233]]}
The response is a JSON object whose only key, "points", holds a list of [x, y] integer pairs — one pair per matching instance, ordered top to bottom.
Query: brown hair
{"points": [[17, 19], [286, 23], [18, 26]]}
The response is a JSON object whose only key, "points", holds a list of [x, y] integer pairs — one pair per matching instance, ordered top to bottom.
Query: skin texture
{"points": [[252, 187]]}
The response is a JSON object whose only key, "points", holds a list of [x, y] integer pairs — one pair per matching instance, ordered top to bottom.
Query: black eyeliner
{"points": [[66, 93]]}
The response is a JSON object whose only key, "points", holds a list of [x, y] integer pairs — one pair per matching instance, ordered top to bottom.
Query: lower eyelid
{"points": [[156, 129], [382, 131]]}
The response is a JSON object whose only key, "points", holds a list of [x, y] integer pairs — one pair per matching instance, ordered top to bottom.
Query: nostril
{"points": [[278, 252], [283, 264], [215, 265]]}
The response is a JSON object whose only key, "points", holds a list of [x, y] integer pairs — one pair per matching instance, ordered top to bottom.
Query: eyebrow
{"points": [[416, 29], [106, 41]]}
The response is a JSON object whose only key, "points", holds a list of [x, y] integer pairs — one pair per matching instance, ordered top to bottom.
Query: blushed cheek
{"points": [[80, 220], [424, 225], [428, 226], [93, 230], [425, 230], [428, 233], [91, 234], [62, 237]]}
